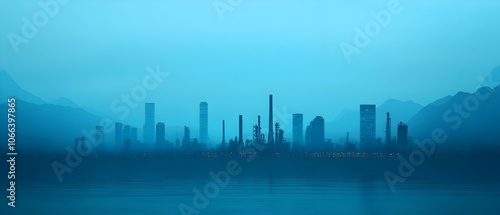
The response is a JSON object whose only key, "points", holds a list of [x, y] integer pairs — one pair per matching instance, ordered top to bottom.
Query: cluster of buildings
{"points": [[315, 134], [154, 135], [310, 139]]}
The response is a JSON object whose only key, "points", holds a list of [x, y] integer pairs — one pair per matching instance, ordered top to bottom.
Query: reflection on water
{"points": [[269, 196]]}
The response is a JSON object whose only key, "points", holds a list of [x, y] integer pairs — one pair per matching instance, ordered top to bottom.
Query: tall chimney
{"points": [[258, 122], [276, 131], [223, 133], [259, 135], [270, 136], [388, 136], [240, 139]]}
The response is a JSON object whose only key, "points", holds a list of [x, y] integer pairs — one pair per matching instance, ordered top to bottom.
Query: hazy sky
{"points": [[93, 51]]}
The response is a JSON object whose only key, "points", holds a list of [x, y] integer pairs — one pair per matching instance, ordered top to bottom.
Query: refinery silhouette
{"points": [[310, 139]]}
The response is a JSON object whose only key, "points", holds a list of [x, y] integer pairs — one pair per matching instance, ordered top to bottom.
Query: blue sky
{"points": [[93, 51]]}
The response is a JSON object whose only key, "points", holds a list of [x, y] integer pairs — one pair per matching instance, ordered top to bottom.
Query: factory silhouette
{"points": [[312, 139]]}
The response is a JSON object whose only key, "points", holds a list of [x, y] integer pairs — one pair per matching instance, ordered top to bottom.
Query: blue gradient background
{"points": [[92, 52]]}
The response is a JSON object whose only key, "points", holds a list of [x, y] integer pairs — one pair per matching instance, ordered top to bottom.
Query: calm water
{"points": [[269, 196]]}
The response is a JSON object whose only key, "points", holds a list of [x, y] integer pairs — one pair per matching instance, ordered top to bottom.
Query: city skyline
{"points": [[296, 58], [250, 107], [283, 113], [285, 118], [314, 133]]}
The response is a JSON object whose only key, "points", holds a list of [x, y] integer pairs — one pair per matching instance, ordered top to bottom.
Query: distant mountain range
{"points": [[11, 88], [65, 102], [465, 118], [40, 125], [48, 126]]}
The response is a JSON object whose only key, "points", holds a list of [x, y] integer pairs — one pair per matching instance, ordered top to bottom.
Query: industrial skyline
{"points": [[250, 107], [312, 138]]}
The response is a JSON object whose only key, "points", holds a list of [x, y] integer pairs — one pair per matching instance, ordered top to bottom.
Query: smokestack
{"points": [[258, 122], [223, 133], [270, 133], [276, 134], [388, 135], [240, 140]]}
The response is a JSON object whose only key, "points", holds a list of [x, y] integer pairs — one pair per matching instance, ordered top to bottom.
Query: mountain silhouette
{"points": [[492, 80], [9, 88], [65, 102], [468, 121], [48, 127]]}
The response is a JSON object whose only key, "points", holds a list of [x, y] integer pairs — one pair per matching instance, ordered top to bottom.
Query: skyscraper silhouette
{"points": [[204, 123], [149, 124], [367, 127], [298, 129], [240, 130], [126, 133], [315, 134], [160, 136], [270, 136], [403, 136]]}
